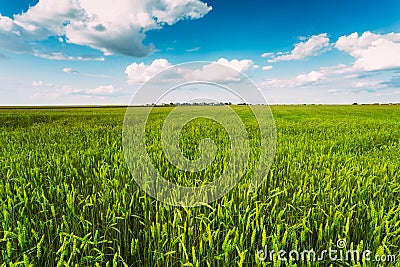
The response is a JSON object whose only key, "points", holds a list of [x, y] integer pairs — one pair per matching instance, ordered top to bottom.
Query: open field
{"points": [[67, 197]]}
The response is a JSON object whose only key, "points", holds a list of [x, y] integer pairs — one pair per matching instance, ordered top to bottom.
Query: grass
{"points": [[68, 199]]}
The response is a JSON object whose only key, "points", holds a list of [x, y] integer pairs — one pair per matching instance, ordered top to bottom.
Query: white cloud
{"points": [[6, 23], [110, 26], [302, 38], [312, 47], [193, 49], [371, 51], [267, 55], [61, 56], [239, 65], [267, 68], [336, 69], [70, 70], [214, 72], [139, 73], [351, 76], [311, 78], [336, 81], [37, 83], [41, 84], [370, 84], [69, 90], [103, 90], [45, 95]]}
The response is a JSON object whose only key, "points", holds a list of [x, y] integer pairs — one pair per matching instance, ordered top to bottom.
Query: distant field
{"points": [[68, 199]]}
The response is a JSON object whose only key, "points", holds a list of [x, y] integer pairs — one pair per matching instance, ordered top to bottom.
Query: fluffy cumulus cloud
{"points": [[114, 27], [315, 45], [372, 51], [239, 65], [267, 68], [215, 71], [139, 73], [311, 77]]}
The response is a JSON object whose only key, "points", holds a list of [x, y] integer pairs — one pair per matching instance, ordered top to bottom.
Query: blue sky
{"points": [[94, 52]]}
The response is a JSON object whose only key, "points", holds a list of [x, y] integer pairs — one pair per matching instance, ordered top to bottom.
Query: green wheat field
{"points": [[67, 197]]}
